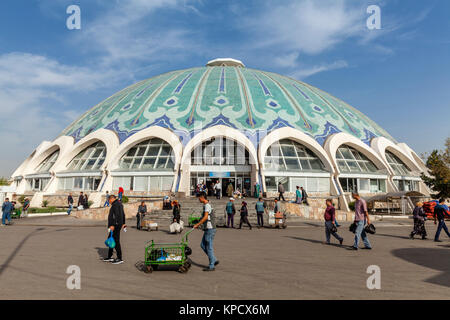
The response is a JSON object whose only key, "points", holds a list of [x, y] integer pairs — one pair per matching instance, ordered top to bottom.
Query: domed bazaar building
{"points": [[223, 122]]}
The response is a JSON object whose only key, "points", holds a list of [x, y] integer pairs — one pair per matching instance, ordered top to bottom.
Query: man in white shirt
{"points": [[218, 187], [208, 224]]}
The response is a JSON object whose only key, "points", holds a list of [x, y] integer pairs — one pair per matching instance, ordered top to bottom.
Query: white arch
{"points": [[219, 131], [146, 134], [298, 136], [108, 137], [334, 141], [63, 144], [381, 145], [416, 159]]}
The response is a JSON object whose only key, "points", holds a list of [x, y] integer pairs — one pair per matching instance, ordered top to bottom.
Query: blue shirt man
{"points": [[7, 208], [439, 215]]}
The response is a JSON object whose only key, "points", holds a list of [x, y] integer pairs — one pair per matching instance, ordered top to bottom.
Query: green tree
{"points": [[438, 164], [4, 181]]}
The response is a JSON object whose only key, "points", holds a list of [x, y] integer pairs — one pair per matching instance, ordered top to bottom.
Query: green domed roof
{"points": [[252, 101]]}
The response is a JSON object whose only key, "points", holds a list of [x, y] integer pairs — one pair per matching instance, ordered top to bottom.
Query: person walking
{"points": [[218, 189], [230, 190], [257, 190], [281, 191], [120, 194], [298, 195], [304, 196], [80, 200], [86, 201], [70, 204], [106, 204], [26, 206], [7, 208], [261, 208], [142, 210], [176, 211], [231, 211], [244, 215], [439, 215], [361, 218], [419, 221], [116, 222], [208, 223], [330, 226]]}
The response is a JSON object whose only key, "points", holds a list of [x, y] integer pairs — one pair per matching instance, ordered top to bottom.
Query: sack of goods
{"points": [[176, 227]]}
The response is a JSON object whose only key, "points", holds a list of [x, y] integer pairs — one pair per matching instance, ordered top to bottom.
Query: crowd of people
{"points": [[361, 225]]}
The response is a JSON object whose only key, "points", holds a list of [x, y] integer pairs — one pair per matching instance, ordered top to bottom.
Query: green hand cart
{"points": [[193, 219], [168, 254]]}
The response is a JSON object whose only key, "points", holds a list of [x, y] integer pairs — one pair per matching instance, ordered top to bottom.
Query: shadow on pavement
{"points": [[391, 236], [319, 242], [102, 252], [433, 258]]}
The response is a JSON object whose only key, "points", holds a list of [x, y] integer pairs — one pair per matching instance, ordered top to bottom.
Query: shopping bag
{"points": [[110, 242]]}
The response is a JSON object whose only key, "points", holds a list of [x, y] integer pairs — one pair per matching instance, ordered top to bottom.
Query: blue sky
{"points": [[399, 76]]}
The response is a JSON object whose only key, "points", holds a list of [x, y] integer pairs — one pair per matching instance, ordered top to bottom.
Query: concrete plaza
{"points": [[257, 264]]}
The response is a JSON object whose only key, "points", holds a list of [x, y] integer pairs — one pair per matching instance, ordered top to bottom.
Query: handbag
{"points": [[352, 227], [370, 228], [333, 229], [110, 242]]}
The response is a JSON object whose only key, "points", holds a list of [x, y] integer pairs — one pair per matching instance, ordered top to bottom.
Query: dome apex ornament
{"points": [[228, 62]]}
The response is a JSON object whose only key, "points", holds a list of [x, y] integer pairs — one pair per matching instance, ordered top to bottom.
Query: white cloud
{"points": [[306, 26], [309, 71], [31, 89]]}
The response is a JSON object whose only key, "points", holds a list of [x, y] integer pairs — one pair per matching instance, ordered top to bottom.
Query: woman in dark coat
{"points": [[142, 210], [176, 211], [244, 216], [419, 221]]}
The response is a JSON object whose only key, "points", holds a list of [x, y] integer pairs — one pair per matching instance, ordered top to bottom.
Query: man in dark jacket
{"points": [[304, 196], [80, 199], [439, 215], [116, 222]]}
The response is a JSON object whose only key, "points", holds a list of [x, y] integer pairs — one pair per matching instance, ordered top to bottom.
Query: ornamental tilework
{"points": [[251, 101]]}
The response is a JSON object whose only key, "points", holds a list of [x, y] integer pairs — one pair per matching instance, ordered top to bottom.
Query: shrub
{"points": [[21, 199], [125, 199], [44, 203], [90, 203], [351, 205]]}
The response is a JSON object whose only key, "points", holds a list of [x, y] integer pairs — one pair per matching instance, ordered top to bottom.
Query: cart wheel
{"points": [[284, 226], [188, 263], [155, 267], [148, 269], [182, 269]]}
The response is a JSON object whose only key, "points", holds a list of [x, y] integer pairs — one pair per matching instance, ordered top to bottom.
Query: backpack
{"points": [[211, 218]]}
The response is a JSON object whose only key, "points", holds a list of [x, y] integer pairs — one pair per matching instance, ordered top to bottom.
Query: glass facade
{"points": [[219, 151], [153, 154], [288, 155], [90, 159], [350, 160], [48, 163], [397, 165], [79, 183], [144, 183], [310, 184], [363, 185], [406, 185]]}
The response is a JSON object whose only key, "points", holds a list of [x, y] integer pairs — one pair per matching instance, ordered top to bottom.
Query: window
{"points": [[220, 151], [153, 154], [288, 155], [90, 159], [353, 161], [48, 163], [396, 164], [79, 183], [144, 183], [310, 184], [363, 185], [406, 185]]}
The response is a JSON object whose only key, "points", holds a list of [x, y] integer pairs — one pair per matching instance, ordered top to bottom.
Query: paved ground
{"points": [[257, 264]]}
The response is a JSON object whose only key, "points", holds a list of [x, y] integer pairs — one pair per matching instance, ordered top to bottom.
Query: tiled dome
{"points": [[252, 101]]}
